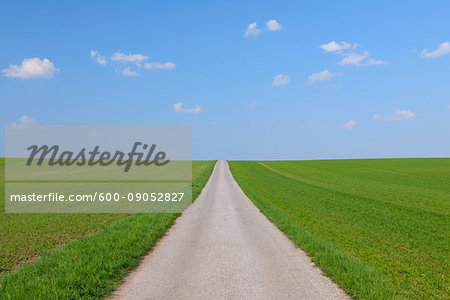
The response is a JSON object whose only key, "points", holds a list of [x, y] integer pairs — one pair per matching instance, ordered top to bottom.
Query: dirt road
{"points": [[222, 247]]}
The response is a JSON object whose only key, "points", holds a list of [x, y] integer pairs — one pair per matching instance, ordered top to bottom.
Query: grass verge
{"points": [[378, 228], [92, 267]]}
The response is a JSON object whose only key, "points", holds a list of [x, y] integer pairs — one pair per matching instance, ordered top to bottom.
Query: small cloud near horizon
{"points": [[281, 80], [178, 107], [400, 115], [23, 121], [349, 124]]}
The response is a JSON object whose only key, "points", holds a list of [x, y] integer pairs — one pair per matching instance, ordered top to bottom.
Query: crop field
{"points": [[379, 228], [102, 259]]}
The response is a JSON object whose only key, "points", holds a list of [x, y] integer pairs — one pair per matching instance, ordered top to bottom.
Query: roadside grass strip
{"points": [[378, 228], [93, 266]]}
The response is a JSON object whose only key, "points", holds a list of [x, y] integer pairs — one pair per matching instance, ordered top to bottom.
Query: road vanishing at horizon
{"points": [[223, 247]]}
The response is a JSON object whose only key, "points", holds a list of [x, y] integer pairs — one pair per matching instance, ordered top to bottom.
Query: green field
{"points": [[379, 228], [82, 268]]}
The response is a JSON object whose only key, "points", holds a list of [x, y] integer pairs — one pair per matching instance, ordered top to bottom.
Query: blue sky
{"points": [[325, 79]]}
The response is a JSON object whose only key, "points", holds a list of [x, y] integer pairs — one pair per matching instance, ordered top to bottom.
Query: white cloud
{"points": [[273, 25], [252, 30], [336, 47], [443, 48], [350, 57], [134, 58], [100, 59], [355, 59], [126, 61], [372, 62], [158, 65], [32, 68], [127, 72], [321, 76], [280, 80], [188, 110], [400, 115], [23, 121], [349, 124]]}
